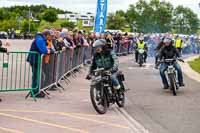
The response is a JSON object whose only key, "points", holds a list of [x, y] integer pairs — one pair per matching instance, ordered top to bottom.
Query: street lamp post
{"points": [[29, 24]]}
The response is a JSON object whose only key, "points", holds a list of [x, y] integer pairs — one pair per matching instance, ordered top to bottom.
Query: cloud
{"points": [[90, 5]]}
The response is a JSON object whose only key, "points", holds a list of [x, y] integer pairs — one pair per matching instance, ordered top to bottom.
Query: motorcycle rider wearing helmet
{"points": [[178, 44], [141, 45], [157, 49], [169, 52], [105, 58]]}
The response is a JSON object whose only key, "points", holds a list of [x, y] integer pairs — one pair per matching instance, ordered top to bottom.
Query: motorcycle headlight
{"points": [[141, 51]]}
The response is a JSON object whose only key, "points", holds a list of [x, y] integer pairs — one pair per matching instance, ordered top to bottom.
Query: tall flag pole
{"points": [[101, 15]]}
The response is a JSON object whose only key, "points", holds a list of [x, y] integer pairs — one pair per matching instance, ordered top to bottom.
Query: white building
{"points": [[88, 19]]}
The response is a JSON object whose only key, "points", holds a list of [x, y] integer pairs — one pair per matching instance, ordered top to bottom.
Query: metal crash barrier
{"points": [[122, 49], [57, 67], [16, 72]]}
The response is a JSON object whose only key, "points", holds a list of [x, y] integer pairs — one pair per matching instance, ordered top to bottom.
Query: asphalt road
{"points": [[156, 109]]}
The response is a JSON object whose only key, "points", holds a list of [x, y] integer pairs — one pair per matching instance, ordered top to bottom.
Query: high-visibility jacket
{"points": [[178, 43], [141, 45]]}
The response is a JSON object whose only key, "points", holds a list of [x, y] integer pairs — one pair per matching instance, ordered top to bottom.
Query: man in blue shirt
{"points": [[39, 45]]}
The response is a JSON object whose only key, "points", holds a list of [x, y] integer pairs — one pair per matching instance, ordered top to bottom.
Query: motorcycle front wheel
{"points": [[173, 84], [98, 99]]}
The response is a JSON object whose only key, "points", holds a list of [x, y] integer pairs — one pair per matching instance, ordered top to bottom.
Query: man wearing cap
{"points": [[39, 45], [169, 52], [105, 59]]}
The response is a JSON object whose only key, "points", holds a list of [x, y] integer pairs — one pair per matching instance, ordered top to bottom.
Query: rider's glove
{"points": [[113, 70], [88, 77]]}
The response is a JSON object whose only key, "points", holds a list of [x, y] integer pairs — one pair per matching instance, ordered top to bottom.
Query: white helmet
{"points": [[141, 38]]}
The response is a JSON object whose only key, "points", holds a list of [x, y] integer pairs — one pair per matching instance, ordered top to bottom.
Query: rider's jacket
{"points": [[178, 43], [141, 45], [168, 52], [107, 60]]}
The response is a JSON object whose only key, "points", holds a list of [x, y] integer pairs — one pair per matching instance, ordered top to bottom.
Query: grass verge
{"points": [[195, 65]]}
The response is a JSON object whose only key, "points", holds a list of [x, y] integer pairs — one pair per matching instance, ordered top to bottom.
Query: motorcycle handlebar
{"points": [[171, 60]]}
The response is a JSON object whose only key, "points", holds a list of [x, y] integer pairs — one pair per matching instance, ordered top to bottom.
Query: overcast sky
{"points": [[84, 6]]}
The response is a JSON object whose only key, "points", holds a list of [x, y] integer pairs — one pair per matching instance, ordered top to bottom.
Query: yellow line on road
{"points": [[47, 112], [69, 115], [88, 115], [97, 121], [42, 122], [10, 130]]}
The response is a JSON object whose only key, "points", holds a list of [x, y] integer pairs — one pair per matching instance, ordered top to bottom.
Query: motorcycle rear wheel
{"points": [[120, 101]]}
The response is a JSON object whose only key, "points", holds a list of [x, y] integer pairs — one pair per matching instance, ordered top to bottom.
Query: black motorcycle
{"points": [[103, 94]]}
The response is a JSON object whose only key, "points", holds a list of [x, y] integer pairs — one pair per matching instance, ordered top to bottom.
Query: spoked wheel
{"points": [[173, 84], [98, 99], [120, 101]]}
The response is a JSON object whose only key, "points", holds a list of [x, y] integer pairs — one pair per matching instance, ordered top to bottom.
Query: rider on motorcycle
{"points": [[141, 45], [157, 49], [169, 52], [105, 58]]}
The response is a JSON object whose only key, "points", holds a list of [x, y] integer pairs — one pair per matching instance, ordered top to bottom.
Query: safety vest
{"points": [[178, 43], [141, 45]]}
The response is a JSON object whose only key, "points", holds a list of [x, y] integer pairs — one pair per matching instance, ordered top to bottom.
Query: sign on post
{"points": [[101, 14]]}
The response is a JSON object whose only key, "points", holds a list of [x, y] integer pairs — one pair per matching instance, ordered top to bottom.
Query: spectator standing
{"points": [[39, 45]]}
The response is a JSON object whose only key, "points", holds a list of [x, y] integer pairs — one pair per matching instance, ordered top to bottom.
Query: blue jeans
{"points": [[163, 68], [114, 79]]}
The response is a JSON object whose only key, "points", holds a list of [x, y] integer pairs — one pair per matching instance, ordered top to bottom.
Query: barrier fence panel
{"points": [[122, 49], [88, 53], [81, 55], [75, 57], [68, 61], [56, 66], [48, 67], [61, 67], [16, 72]]}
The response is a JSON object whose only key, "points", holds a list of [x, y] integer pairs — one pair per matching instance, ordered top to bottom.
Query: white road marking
{"points": [[135, 126]]}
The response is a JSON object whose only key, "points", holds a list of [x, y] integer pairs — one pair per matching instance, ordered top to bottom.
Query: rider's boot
{"points": [[181, 84], [165, 87]]}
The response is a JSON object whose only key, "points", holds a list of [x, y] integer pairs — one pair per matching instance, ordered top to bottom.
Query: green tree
{"points": [[121, 13], [2, 14], [50, 15], [162, 15], [154, 16], [131, 17], [144, 19], [185, 20], [115, 21], [8, 24], [68, 24], [25, 26]]}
